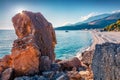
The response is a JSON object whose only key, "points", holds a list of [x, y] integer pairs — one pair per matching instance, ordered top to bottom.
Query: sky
{"points": [[58, 12]]}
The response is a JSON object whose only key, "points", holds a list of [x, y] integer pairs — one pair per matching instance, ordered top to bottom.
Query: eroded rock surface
{"points": [[106, 62]]}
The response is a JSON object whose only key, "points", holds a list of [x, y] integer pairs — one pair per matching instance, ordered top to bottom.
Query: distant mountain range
{"points": [[95, 22]]}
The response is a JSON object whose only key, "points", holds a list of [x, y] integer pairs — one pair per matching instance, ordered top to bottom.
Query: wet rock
{"points": [[106, 62], [69, 64], [7, 74]]}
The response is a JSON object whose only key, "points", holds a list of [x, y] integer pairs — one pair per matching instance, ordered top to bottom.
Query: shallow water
{"points": [[68, 43]]}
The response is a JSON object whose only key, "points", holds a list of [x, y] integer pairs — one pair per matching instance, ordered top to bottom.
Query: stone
{"points": [[33, 27], [36, 39], [87, 57], [5, 62], [106, 62], [45, 63], [69, 64], [55, 67], [7, 74], [48, 74], [57, 75], [74, 75], [36, 77], [63, 77]]}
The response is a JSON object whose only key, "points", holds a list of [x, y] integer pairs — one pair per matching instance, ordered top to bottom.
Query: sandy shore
{"points": [[102, 37]]}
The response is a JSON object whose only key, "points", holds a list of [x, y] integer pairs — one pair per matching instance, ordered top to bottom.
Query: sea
{"points": [[69, 43]]}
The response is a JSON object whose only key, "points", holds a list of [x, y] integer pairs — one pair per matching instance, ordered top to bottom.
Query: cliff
{"points": [[106, 62]]}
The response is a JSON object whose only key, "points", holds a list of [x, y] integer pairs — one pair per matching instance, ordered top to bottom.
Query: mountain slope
{"points": [[93, 18], [99, 23], [113, 27]]}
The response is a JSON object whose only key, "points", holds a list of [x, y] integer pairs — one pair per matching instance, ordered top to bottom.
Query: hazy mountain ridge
{"points": [[95, 24]]}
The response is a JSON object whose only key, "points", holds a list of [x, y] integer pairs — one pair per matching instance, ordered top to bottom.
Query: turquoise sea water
{"points": [[68, 43]]}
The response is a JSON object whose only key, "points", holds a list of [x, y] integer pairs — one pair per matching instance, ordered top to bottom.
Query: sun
{"points": [[19, 10]]}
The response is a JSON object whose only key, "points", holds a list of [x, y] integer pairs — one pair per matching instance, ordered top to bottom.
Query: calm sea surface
{"points": [[68, 43]]}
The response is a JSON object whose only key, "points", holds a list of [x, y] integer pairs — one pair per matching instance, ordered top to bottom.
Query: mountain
{"points": [[93, 18], [95, 24], [113, 27]]}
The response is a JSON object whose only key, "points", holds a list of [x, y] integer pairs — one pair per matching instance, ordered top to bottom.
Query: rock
{"points": [[35, 28], [36, 39], [87, 57], [57, 60], [5, 62], [106, 62], [45, 63], [69, 64], [55, 67], [7, 74], [48, 74], [57, 75], [74, 75], [86, 75], [36, 77], [63, 77]]}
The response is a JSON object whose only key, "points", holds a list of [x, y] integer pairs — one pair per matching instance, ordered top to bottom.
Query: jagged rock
{"points": [[33, 27], [36, 38], [87, 57], [106, 62], [69, 64], [7, 74]]}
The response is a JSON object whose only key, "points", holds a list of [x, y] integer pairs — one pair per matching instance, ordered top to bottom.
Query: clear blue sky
{"points": [[58, 12]]}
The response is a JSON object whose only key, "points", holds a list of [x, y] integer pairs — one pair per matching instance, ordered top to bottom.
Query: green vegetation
{"points": [[113, 27]]}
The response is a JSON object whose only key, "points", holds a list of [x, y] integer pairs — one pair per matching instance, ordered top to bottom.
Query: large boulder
{"points": [[36, 38], [106, 62]]}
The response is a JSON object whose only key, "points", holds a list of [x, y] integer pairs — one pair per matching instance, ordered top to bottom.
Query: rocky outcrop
{"points": [[33, 50], [87, 57], [106, 62], [70, 64]]}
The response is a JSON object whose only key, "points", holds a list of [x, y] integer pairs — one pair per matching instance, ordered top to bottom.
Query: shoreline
{"points": [[99, 38]]}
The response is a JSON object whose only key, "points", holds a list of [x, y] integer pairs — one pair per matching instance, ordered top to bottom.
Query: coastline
{"points": [[99, 38]]}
